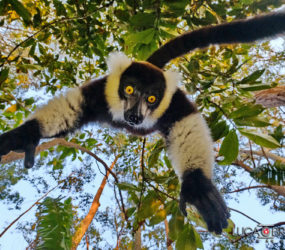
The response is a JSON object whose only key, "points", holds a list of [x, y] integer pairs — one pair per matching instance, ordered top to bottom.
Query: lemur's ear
{"points": [[117, 62]]}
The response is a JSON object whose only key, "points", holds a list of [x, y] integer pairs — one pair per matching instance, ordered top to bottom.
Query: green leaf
{"points": [[176, 6], [59, 7], [21, 10], [122, 15], [37, 19], [143, 19], [143, 37], [30, 66], [4, 74], [252, 77], [255, 87], [29, 101], [247, 111], [252, 121], [219, 130], [278, 134], [260, 139], [229, 148], [154, 155], [127, 186], [149, 206], [130, 211], [158, 217], [196, 217], [55, 221], [176, 224], [189, 239]]}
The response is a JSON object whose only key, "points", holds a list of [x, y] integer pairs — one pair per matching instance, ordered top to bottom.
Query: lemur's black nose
{"points": [[135, 119]]}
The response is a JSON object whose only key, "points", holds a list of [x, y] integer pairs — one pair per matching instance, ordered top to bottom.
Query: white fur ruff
{"points": [[117, 63], [60, 114], [191, 146]]}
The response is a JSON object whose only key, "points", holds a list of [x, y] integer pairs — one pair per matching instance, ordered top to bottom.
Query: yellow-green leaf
{"points": [[263, 140]]}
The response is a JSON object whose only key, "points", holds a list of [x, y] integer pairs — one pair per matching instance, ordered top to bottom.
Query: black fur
{"points": [[242, 31], [95, 107], [179, 108], [22, 139], [200, 192]]}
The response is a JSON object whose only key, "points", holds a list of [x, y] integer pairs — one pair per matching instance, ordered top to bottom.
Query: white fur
{"points": [[117, 63], [172, 79], [60, 114], [191, 146]]}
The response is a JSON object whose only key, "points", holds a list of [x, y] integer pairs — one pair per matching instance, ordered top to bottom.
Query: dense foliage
{"points": [[47, 46]]}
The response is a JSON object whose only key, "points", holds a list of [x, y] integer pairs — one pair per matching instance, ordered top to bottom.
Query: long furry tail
{"points": [[241, 31]]}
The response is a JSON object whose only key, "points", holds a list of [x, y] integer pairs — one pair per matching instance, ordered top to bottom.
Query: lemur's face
{"points": [[141, 88]]}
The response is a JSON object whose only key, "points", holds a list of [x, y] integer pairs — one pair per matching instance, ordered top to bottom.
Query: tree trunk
{"points": [[138, 239]]}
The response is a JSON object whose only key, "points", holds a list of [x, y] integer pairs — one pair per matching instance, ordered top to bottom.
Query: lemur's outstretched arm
{"points": [[241, 31], [61, 115]]}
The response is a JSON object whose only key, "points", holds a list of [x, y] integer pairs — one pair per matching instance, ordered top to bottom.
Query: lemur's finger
{"points": [[29, 156]]}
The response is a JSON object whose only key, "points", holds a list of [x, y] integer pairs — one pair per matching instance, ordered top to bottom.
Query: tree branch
{"points": [[266, 154], [12, 156], [278, 189]]}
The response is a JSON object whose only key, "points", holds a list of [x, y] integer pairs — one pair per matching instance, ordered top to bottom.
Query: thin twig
{"points": [[251, 155], [265, 155], [142, 172], [247, 188], [158, 190], [244, 215]]}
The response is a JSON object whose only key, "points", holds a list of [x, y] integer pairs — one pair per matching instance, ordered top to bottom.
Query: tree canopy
{"points": [[47, 46]]}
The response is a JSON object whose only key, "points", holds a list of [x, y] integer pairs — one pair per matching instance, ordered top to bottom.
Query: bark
{"points": [[269, 98], [266, 153], [84, 224], [138, 239], [168, 241]]}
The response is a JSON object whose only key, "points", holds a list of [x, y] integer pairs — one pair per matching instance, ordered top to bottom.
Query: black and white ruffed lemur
{"points": [[141, 98]]}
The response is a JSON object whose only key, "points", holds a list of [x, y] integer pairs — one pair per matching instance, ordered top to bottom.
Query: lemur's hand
{"points": [[25, 138], [200, 192]]}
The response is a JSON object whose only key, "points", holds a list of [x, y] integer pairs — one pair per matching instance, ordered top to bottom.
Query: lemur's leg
{"points": [[190, 149]]}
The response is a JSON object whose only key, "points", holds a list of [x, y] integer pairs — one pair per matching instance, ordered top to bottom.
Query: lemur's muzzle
{"points": [[133, 115]]}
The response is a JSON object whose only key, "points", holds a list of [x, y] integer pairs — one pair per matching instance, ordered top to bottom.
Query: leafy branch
{"points": [[44, 27]]}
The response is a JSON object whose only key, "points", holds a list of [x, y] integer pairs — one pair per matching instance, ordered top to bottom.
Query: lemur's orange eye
{"points": [[129, 90], [151, 99]]}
